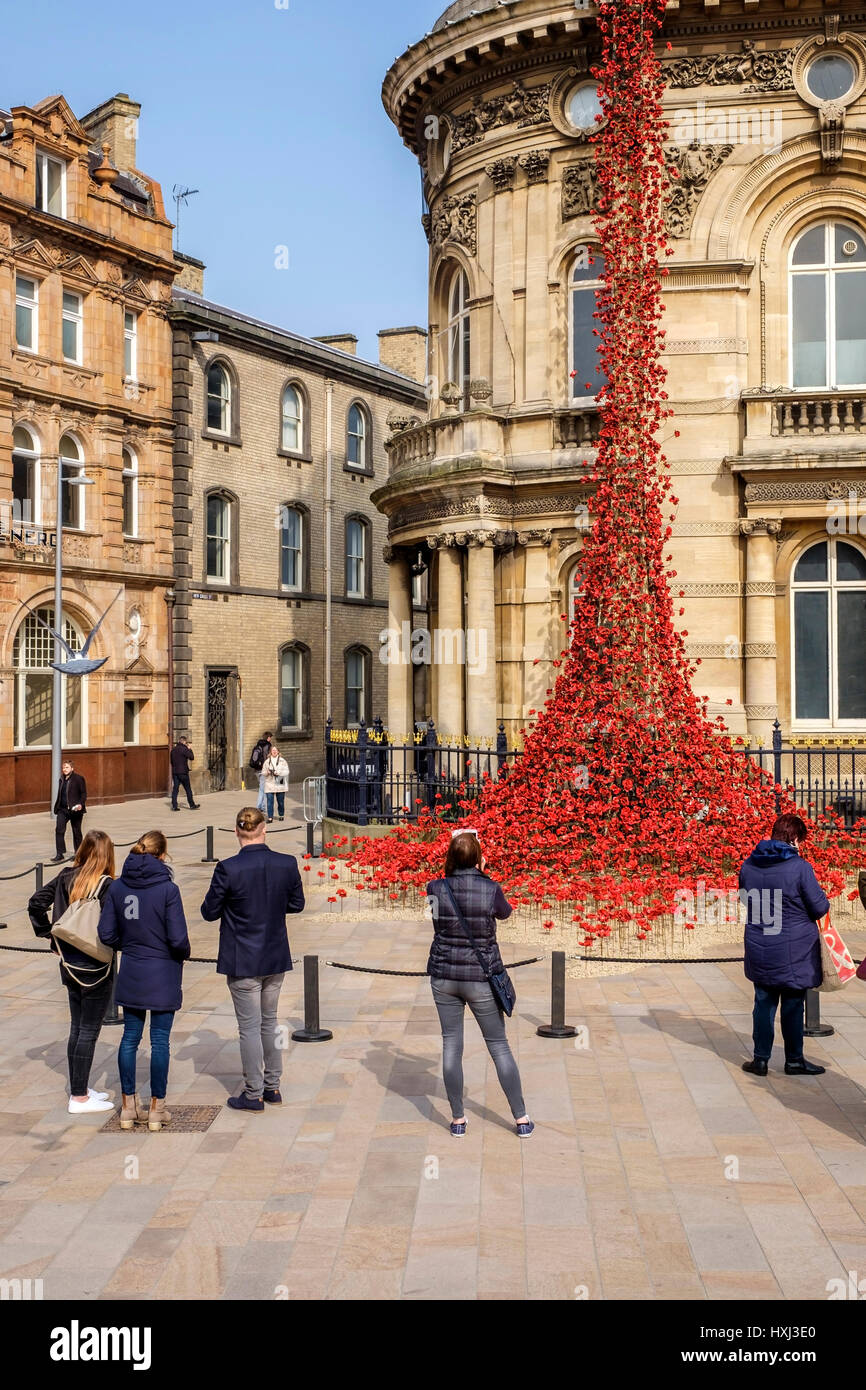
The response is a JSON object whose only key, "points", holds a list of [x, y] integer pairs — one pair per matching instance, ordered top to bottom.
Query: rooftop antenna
{"points": [[181, 197]]}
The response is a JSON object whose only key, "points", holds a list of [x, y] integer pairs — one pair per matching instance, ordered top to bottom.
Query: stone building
{"points": [[86, 270], [766, 352], [280, 594]]}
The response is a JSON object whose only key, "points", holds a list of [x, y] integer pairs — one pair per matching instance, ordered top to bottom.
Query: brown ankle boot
{"points": [[132, 1111], [158, 1116]]}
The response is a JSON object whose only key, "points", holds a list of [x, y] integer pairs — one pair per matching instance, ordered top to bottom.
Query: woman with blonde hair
{"points": [[276, 782], [143, 917], [88, 984]]}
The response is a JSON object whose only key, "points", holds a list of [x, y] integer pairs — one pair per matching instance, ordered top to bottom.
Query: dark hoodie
{"points": [[785, 900], [143, 918]]}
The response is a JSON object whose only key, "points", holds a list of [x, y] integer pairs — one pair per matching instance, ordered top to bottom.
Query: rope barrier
{"points": [[9, 878], [665, 960], [409, 974]]}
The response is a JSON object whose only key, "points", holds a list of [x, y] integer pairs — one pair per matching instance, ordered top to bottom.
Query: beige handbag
{"points": [[79, 927]]}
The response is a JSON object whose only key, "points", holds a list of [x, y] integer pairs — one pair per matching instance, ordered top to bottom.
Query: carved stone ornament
{"points": [[766, 70], [520, 107], [694, 163], [535, 164], [501, 173], [579, 189], [455, 221], [427, 224], [480, 391], [451, 395], [399, 420], [760, 526], [535, 537], [390, 553]]}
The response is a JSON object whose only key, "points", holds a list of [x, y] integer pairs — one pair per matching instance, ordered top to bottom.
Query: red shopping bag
{"points": [[839, 967]]}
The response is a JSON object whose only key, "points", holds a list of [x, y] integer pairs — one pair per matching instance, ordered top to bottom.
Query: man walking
{"points": [[181, 757], [70, 804], [251, 895]]}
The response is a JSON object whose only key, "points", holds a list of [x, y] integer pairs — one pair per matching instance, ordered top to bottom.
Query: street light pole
{"points": [[57, 720]]}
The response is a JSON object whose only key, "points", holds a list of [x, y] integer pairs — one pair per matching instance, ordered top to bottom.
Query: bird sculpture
{"points": [[78, 663]]}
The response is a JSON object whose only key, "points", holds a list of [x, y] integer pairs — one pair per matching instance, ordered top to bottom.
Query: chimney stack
{"points": [[115, 123], [346, 342], [404, 350]]}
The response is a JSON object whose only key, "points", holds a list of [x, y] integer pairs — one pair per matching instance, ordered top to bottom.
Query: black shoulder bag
{"points": [[499, 980]]}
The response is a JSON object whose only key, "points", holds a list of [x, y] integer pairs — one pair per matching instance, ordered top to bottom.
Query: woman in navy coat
{"points": [[143, 918], [783, 951]]}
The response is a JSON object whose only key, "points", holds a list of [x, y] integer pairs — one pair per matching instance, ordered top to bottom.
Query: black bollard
{"points": [[311, 839], [208, 853], [40, 876], [113, 1016], [557, 1027], [814, 1027], [311, 1031]]}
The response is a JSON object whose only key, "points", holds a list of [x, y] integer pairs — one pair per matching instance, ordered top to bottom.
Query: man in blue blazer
{"points": [[250, 894]]}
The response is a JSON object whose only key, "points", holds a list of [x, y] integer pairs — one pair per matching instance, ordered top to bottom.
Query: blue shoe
{"points": [[272, 1097], [244, 1102], [458, 1130], [524, 1131]]}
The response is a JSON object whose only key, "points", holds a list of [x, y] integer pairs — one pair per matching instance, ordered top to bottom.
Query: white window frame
{"points": [[43, 160], [829, 270], [575, 287], [30, 305], [76, 318], [460, 333], [130, 345], [226, 403], [297, 420], [363, 437], [71, 463], [34, 464], [130, 477], [224, 541], [359, 559], [831, 586], [298, 587], [354, 654], [299, 657], [22, 671]]}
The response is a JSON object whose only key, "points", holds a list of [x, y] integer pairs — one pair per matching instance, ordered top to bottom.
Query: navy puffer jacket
{"points": [[785, 901], [482, 903]]}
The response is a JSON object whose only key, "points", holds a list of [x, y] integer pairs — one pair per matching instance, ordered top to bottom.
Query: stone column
{"points": [[448, 638], [399, 648], [760, 649], [481, 689]]}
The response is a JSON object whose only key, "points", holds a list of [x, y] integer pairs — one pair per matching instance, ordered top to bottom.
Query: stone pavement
{"points": [[658, 1170]]}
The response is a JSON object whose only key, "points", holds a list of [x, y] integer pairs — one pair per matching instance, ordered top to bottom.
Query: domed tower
{"points": [[765, 315]]}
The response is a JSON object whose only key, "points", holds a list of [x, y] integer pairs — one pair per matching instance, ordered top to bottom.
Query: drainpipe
{"points": [[329, 508], [170, 598]]}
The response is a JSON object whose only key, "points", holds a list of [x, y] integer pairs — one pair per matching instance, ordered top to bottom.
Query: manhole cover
{"points": [[185, 1119]]}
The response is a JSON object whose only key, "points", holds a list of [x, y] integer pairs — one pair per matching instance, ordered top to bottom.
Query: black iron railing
{"points": [[820, 774], [372, 779]]}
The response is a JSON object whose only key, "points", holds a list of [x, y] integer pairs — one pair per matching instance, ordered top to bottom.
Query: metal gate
{"points": [[217, 728]]}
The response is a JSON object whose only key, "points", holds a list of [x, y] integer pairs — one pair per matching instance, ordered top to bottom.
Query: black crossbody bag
{"points": [[498, 980]]}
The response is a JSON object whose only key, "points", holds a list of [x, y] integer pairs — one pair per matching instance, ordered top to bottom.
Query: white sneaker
{"points": [[97, 1095], [91, 1106]]}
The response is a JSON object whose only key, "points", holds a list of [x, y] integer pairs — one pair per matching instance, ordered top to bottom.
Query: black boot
{"points": [[757, 1066], [803, 1068]]}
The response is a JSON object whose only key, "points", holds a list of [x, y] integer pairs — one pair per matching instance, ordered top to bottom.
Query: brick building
{"points": [[86, 270], [280, 592]]}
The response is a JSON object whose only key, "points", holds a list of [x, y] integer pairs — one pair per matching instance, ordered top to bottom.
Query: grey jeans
{"points": [[451, 998], [256, 1002]]}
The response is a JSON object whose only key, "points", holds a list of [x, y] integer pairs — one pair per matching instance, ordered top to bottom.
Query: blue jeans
{"points": [[262, 801], [281, 804], [767, 999], [133, 1029]]}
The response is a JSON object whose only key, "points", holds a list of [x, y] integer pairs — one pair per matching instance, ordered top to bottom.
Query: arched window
{"points": [[828, 307], [460, 334], [587, 378], [219, 399], [292, 434], [358, 450], [72, 465], [26, 483], [130, 493], [292, 548], [220, 557], [357, 568], [575, 589], [829, 634], [32, 654], [358, 665], [293, 687]]}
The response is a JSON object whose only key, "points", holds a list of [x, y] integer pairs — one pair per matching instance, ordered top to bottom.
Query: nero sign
{"points": [[77, 1343]]}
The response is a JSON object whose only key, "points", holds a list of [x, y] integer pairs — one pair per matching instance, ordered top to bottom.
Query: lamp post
{"points": [[57, 711]]}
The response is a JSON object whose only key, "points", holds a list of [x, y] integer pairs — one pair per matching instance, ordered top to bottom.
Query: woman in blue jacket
{"points": [[143, 918], [783, 951]]}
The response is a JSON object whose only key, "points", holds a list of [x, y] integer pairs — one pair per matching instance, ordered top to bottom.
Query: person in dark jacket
{"points": [[181, 757], [258, 758], [70, 806], [251, 894], [143, 917], [783, 951], [457, 977], [87, 982]]}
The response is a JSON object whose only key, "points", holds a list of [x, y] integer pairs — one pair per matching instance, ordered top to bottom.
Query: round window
{"points": [[831, 77], [583, 106], [446, 151]]}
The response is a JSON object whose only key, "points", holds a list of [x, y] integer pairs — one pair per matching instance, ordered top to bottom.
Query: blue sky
{"points": [[276, 116]]}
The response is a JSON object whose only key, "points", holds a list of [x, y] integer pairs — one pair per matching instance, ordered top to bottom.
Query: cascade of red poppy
{"points": [[626, 790]]}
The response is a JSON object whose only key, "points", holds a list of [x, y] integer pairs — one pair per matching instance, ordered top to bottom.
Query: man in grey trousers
{"points": [[250, 895]]}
